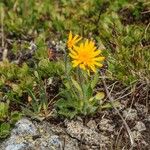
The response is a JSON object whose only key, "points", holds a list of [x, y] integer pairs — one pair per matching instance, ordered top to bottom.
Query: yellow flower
{"points": [[72, 40], [86, 56]]}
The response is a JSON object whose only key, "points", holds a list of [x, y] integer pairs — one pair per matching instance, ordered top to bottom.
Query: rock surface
{"points": [[130, 114], [106, 125], [140, 126], [75, 134], [28, 136], [88, 136]]}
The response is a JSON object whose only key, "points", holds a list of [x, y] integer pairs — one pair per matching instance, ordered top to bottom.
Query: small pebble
{"points": [[140, 126]]}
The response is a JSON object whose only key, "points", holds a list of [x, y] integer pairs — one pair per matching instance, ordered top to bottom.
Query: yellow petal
{"points": [[70, 36], [77, 40], [86, 43], [91, 43], [81, 45], [76, 48], [72, 51], [96, 53], [73, 56], [99, 58], [75, 63], [98, 64], [82, 66], [93, 68], [88, 72]]}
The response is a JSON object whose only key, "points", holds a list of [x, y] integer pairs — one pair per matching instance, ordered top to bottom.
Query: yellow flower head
{"points": [[72, 40], [86, 56]]}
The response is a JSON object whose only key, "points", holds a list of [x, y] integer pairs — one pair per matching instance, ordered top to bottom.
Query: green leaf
{"points": [[36, 75], [95, 80], [76, 85], [89, 92], [31, 94], [100, 96], [91, 99], [110, 105], [67, 108], [3, 111], [15, 116], [4, 130]]}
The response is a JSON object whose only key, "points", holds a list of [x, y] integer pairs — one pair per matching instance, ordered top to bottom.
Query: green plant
{"points": [[111, 23], [120, 27], [47, 68], [17, 78], [19, 84], [78, 94], [78, 98], [38, 106], [3, 111], [7, 119], [4, 130]]}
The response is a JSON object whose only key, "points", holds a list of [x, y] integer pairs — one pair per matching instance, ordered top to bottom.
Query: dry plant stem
{"points": [[145, 12], [2, 25], [146, 29], [145, 32], [113, 85], [110, 90], [124, 90], [124, 95], [147, 97], [52, 100], [111, 101], [125, 118]]}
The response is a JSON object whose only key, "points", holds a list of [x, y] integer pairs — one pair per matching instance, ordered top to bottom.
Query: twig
{"points": [[145, 12], [2, 25], [146, 29], [112, 87], [124, 90], [110, 91], [124, 96], [111, 101], [50, 102], [125, 119]]}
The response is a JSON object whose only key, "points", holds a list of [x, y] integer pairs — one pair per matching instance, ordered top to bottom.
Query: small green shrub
{"points": [[7, 119]]}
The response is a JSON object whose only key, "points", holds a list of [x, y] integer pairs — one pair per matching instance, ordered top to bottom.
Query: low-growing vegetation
{"points": [[55, 57]]}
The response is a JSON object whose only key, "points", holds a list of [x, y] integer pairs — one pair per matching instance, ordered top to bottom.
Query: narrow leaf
{"points": [[95, 80], [76, 85], [100, 95]]}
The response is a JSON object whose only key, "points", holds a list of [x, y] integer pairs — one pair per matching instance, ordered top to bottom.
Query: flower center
{"points": [[84, 57]]}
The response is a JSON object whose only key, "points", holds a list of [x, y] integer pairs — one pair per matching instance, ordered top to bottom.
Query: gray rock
{"points": [[142, 109], [130, 114], [147, 118], [92, 125], [106, 125], [140, 126], [24, 127], [86, 135], [136, 135], [38, 136], [54, 138], [138, 138], [55, 142], [70, 143], [20, 146]]}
